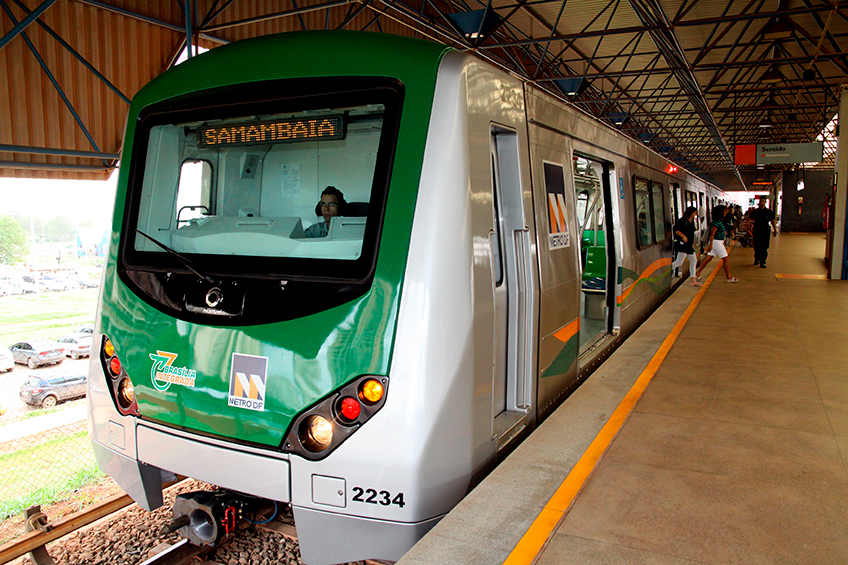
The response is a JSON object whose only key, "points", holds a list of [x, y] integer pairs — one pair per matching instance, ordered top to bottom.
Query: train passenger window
{"points": [[642, 204], [582, 207], [659, 211]]}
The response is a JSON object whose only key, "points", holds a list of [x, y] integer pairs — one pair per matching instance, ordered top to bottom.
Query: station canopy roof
{"points": [[689, 78]]}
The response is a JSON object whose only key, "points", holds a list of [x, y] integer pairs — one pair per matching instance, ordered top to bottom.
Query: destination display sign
{"points": [[276, 131]]}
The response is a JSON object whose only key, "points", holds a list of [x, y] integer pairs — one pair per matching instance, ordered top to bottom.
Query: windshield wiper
{"points": [[180, 257]]}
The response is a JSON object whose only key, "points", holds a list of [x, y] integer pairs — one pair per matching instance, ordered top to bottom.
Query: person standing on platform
{"points": [[728, 220], [764, 227], [684, 235], [717, 249]]}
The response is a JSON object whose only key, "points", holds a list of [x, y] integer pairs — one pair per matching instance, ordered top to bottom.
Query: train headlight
{"points": [[108, 348], [372, 391], [126, 393], [319, 430], [316, 433]]}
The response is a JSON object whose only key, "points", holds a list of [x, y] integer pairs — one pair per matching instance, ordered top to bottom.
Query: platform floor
{"points": [[736, 451]]}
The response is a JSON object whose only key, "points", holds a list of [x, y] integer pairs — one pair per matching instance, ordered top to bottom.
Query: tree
{"points": [[59, 229], [13, 242]]}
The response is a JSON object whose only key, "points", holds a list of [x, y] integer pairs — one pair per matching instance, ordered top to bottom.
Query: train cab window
{"points": [[278, 181], [269, 187], [194, 192], [657, 194], [643, 212]]}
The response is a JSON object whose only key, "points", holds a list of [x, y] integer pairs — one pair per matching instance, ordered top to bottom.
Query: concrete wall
{"points": [[818, 184]]}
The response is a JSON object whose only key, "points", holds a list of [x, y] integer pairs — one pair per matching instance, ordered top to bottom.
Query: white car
{"points": [[9, 289], [76, 345], [7, 361]]}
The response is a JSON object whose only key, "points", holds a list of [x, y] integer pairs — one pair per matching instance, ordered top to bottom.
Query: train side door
{"points": [[510, 244], [597, 249]]}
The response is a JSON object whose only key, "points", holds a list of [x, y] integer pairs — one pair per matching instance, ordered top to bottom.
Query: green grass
{"points": [[45, 314], [45, 474]]}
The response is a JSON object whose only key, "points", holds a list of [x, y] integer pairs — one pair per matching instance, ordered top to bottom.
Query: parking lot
{"points": [[45, 453]]}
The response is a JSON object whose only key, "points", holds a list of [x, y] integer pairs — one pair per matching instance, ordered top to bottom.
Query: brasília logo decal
{"points": [[163, 373]]}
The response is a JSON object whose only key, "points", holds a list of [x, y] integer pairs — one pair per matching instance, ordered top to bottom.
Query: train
{"points": [[348, 272]]}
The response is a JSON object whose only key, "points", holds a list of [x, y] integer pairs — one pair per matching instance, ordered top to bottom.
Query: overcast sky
{"points": [[47, 199]]}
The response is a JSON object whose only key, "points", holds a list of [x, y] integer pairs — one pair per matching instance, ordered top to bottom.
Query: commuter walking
{"points": [[729, 222], [764, 227], [684, 236], [717, 249]]}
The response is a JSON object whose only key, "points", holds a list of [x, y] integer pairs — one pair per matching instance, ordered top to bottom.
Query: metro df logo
{"points": [[247, 382]]}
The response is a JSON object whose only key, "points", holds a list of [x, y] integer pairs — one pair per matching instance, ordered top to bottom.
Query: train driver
{"points": [[332, 204]]}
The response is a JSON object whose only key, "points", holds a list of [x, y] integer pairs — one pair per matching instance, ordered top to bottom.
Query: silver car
{"points": [[37, 352]]}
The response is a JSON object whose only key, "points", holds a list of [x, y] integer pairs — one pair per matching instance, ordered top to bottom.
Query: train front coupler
{"points": [[209, 518]]}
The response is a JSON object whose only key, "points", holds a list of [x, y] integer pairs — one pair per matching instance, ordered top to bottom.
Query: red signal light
{"points": [[672, 169], [115, 366], [350, 408]]}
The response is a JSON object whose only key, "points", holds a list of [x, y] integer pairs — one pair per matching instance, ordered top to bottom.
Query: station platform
{"points": [[716, 434]]}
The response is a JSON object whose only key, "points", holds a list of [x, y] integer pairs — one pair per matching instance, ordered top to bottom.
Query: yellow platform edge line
{"points": [[808, 277], [536, 537]]}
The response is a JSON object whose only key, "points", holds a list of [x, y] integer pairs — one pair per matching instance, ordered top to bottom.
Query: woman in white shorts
{"points": [[717, 249]]}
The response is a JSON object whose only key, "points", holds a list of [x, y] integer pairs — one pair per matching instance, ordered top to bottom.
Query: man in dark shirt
{"points": [[764, 226]]}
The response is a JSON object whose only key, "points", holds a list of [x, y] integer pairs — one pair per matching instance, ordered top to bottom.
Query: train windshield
{"points": [[269, 185], [294, 185]]}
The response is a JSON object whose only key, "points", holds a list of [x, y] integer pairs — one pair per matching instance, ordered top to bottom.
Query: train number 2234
{"points": [[371, 496]]}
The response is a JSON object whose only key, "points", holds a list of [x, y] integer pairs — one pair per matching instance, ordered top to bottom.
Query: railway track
{"points": [[118, 532]]}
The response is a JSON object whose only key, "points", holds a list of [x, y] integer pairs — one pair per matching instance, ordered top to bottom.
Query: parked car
{"points": [[57, 285], [40, 286], [27, 287], [9, 289], [84, 329], [76, 345], [37, 352], [7, 360], [47, 391]]}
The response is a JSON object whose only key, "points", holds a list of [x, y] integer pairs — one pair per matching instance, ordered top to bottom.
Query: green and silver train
{"points": [[488, 246]]}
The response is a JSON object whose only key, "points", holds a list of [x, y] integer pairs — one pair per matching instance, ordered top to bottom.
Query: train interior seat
{"points": [[357, 209]]}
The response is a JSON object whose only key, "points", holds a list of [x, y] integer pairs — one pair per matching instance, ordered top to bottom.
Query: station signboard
{"points": [[778, 153]]}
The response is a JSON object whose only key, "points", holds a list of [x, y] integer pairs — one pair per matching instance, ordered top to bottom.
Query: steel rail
{"points": [[33, 540], [181, 553]]}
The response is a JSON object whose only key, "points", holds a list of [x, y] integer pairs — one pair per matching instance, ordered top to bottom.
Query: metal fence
{"points": [[45, 454]]}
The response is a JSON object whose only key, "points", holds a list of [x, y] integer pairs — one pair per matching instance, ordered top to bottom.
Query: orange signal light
{"points": [[372, 391]]}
